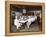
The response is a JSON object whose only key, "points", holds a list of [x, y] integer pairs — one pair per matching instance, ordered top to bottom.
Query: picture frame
{"points": [[8, 17]]}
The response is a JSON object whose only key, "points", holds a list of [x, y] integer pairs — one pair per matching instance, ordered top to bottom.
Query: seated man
{"points": [[30, 20], [16, 23]]}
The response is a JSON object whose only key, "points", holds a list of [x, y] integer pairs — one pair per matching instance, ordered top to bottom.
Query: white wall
{"points": [[2, 18]]}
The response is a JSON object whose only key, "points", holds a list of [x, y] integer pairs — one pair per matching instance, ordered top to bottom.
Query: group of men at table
{"points": [[28, 21]]}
